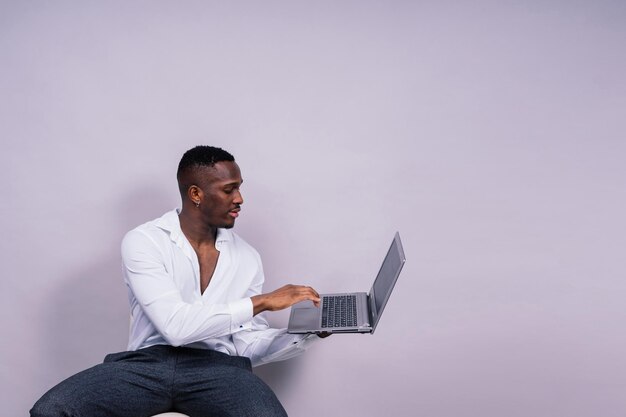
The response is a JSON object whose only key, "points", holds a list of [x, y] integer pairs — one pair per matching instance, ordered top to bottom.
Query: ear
{"points": [[195, 194]]}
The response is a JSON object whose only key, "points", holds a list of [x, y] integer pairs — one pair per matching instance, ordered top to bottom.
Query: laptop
{"points": [[351, 312]]}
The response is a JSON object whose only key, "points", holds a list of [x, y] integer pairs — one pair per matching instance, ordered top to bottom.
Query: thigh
{"points": [[129, 384], [224, 389]]}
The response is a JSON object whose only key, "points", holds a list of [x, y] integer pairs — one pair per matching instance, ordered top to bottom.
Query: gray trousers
{"points": [[196, 382]]}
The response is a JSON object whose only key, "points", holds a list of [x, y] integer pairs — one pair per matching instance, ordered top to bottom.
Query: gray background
{"points": [[491, 134]]}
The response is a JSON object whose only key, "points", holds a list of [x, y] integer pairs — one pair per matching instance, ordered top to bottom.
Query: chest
{"points": [[207, 261], [222, 275]]}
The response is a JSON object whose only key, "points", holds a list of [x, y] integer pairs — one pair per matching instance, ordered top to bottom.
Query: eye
{"points": [[231, 188]]}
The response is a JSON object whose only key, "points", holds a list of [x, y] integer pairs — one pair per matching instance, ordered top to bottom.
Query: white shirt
{"points": [[162, 273]]}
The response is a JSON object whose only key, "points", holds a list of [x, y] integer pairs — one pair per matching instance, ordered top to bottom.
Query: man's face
{"points": [[221, 195]]}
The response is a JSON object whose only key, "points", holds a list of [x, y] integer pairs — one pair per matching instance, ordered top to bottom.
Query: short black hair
{"points": [[200, 156]]}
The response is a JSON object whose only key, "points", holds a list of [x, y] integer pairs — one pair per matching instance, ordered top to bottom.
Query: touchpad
{"points": [[305, 319]]}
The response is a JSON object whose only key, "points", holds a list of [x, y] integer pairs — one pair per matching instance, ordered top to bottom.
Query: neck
{"points": [[195, 230]]}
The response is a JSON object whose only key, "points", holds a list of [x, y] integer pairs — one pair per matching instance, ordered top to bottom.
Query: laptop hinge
{"points": [[370, 310]]}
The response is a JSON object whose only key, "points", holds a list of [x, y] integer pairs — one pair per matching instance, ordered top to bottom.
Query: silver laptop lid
{"points": [[386, 279]]}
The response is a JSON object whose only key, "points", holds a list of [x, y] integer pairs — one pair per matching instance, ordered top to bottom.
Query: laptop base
{"points": [[306, 318]]}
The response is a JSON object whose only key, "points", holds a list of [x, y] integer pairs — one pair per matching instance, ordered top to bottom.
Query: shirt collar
{"points": [[171, 224], [223, 236]]}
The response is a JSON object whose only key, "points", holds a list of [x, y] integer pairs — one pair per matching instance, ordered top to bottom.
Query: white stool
{"points": [[171, 415]]}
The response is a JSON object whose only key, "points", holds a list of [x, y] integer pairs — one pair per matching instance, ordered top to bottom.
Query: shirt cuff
{"points": [[241, 314]]}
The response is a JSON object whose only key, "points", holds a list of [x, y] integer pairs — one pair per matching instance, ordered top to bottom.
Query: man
{"points": [[195, 292]]}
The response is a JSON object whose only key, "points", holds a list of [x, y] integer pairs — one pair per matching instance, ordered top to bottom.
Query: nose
{"points": [[238, 197]]}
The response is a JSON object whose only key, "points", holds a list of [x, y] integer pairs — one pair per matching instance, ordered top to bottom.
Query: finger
{"points": [[311, 291], [307, 292], [314, 292], [310, 294], [315, 296]]}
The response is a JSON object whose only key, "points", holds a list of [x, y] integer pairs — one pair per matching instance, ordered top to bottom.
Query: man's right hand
{"points": [[284, 297]]}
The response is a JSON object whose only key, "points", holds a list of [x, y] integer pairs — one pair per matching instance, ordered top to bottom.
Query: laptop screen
{"points": [[386, 278]]}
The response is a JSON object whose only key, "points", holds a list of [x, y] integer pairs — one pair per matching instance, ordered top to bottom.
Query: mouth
{"points": [[234, 213]]}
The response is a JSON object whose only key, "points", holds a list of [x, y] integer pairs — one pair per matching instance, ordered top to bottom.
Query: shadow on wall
{"points": [[89, 310], [88, 318]]}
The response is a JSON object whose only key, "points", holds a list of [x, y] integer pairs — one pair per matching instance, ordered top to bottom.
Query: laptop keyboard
{"points": [[339, 311]]}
